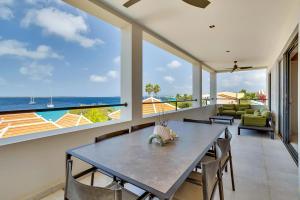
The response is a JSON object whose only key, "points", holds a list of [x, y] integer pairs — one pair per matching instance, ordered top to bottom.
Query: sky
{"points": [[49, 48], [252, 81]]}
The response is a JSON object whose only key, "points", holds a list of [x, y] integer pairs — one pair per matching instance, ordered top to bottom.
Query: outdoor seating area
{"points": [[258, 167]]}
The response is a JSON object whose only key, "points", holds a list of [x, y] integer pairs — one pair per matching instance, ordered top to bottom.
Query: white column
{"points": [[131, 72], [197, 84], [213, 87]]}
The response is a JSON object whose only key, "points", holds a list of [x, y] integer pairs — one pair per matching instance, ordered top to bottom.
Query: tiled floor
{"points": [[263, 170]]}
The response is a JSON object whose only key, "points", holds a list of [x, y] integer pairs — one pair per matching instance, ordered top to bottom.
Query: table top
{"points": [[221, 117], [157, 169]]}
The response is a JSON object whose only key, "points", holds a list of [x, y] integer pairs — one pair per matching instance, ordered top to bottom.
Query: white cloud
{"points": [[34, 2], [6, 12], [56, 22], [16, 48], [117, 60], [174, 64], [160, 69], [37, 71], [113, 74], [98, 78], [169, 79], [2, 81]]}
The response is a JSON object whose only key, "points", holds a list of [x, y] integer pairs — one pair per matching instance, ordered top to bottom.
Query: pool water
{"points": [[52, 115]]}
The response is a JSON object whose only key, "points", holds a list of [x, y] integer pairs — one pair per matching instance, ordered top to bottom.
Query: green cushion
{"points": [[242, 106], [228, 107], [250, 111], [229, 112], [240, 112], [257, 113], [265, 114], [251, 120]]}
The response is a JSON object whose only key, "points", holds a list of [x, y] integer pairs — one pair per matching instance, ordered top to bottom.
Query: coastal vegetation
{"points": [[94, 114]]}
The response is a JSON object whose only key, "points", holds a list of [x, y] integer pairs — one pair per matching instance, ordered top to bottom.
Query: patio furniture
{"points": [[235, 110], [222, 118], [197, 121], [259, 121], [141, 126], [102, 138], [224, 144], [150, 166], [202, 186], [74, 190]]}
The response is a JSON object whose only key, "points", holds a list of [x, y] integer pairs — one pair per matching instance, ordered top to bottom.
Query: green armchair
{"points": [[258, 118]]}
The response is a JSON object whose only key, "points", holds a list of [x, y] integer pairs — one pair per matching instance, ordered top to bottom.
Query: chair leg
{"points": [[226, 168], [231, 172], [92, 178], [220, 184]]}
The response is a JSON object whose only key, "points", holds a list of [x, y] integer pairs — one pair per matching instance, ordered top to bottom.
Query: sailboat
{"points": [[31, 102], [50, 104]]}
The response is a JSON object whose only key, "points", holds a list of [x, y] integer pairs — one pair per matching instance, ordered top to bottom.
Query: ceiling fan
{"points": [[197, 3], [236, 67]]}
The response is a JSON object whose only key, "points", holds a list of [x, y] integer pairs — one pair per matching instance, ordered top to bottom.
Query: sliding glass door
{"points": [[288, 101]]}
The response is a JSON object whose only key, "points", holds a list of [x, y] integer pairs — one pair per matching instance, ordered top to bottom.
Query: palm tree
{"points": [[149, 88], [156, 89]]}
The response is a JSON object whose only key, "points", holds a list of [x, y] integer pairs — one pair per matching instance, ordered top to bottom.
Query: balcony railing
{"points": [[254, 101], [171, 105], [62, 108], [29, 121]]}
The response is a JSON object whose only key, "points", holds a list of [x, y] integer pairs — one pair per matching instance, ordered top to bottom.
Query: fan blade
{"points": [[130, 3], [198, 3], [249, 67], [233, 70]]}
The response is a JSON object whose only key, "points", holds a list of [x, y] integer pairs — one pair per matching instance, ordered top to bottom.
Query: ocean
{"points": [[22, 103]]}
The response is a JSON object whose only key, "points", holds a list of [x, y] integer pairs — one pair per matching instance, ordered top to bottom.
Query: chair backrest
{"points": [[197, 121], [141, 126], [111, 135], [224, 144], [211, 175], [75, 190]]}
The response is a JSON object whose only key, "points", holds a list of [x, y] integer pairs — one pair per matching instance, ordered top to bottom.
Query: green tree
{"points": [[149, 89], [156, 89], [94, 114]]}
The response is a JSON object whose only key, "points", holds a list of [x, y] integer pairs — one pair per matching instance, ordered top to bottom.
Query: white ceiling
{"points": [[250, 29]]}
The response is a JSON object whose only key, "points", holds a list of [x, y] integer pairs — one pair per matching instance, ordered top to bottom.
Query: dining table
{"points": [[159, 170]]}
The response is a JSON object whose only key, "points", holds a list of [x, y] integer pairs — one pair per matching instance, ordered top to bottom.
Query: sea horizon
{"points": [[27, 103]]}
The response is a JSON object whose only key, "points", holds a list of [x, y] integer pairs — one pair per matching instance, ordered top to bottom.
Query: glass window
{"points": [[54, 55], [166, 77], [246, 87]]}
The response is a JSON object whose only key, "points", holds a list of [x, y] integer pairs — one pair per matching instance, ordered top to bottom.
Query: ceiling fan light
{"points": [[198, 3]]}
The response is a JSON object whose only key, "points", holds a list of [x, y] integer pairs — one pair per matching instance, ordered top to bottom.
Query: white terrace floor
{"points": [[263, 169]]}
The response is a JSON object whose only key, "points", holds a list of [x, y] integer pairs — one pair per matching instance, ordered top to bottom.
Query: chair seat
{"points": [[189, 191], [126, 194]]}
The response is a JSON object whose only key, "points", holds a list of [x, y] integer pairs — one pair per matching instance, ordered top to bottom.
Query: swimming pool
{"points": [[52, 115]]}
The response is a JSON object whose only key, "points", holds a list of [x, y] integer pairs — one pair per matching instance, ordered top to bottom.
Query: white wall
{"points": [[30, 168]]}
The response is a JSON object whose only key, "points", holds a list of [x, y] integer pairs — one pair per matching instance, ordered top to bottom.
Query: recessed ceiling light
{"points": [[212, 26], [227, 51]]}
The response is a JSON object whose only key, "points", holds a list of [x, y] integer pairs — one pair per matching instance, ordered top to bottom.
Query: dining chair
{"points": [[197, 121], [141, 126], [102, 138], [224, 144], [202, 186], [74, 190]]}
